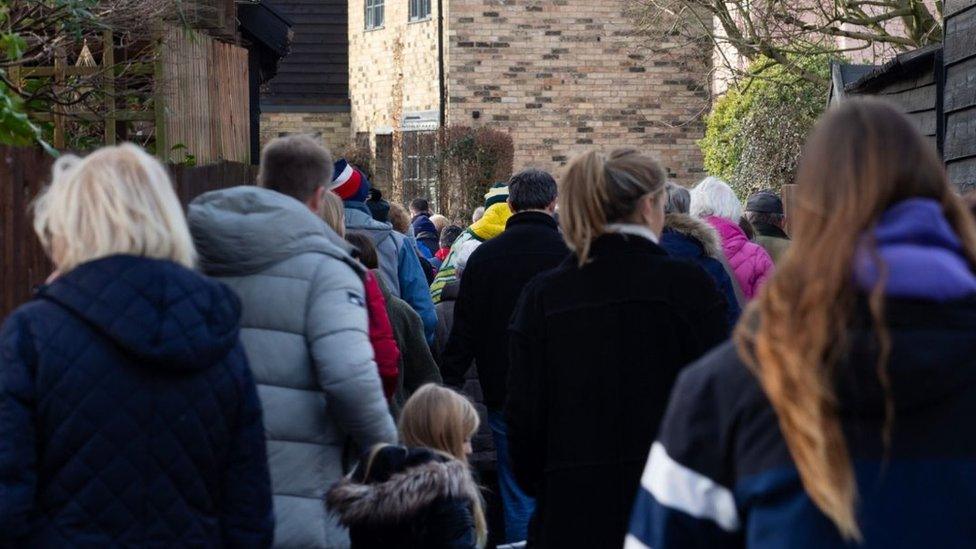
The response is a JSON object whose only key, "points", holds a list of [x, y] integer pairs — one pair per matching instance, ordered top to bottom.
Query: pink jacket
{"points": [[749, 261]]}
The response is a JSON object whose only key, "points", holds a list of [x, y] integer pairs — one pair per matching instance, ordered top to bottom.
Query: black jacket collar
{"points": [[532, 218], [612, 244]]}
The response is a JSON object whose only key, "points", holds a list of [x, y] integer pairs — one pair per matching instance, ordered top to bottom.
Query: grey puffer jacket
{"points": [[304, 329]]}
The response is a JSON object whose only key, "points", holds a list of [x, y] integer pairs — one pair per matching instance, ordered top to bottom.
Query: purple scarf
{"points": [[924, 256]]}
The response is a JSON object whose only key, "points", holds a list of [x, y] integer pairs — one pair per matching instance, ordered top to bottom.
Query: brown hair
{"points": [[862, 158], [296, 165], [601, 189], [333, 213], [399, 218], [366, 250], [440, 419]]}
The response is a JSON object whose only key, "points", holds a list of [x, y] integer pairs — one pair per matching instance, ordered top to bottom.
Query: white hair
{"points": [[713, 197], [117, 200], [478, 213]]}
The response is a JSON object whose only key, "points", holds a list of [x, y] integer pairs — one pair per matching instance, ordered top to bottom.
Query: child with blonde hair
{"points": [[421, 494]]}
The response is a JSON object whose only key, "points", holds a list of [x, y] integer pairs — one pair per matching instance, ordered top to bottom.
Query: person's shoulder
{"points": [[682, 273], [21, 322], [720, 368], [719, 386]]}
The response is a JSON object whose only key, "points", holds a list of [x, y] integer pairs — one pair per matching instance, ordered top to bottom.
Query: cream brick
{"points": [[538, 70]]}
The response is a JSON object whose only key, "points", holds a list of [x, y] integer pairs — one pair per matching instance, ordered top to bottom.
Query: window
{"points": [[419, 10], [374, 14], [420, 165]]}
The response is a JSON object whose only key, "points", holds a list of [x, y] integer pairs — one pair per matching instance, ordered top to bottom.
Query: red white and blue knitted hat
{"points": [[348, 182]]}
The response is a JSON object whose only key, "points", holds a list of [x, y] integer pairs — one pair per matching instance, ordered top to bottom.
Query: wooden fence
{"points": [[204, 98], [201, 103], [25, 171]]}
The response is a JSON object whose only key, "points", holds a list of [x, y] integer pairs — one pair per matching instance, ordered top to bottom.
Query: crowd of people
{"points": [[606, 360]]}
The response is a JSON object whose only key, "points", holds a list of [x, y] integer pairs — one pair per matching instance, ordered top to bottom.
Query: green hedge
{"points": [[755, 132]]}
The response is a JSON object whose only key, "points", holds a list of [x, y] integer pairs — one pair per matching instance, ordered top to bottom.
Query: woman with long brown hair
{"points": [[596, 345], [842, 413]]}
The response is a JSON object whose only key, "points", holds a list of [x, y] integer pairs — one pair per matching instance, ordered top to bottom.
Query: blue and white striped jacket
{"points": [[720, 474]]}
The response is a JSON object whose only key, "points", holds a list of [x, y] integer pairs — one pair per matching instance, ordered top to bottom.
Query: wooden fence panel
{"points": [[206, 93], [25, 171]]}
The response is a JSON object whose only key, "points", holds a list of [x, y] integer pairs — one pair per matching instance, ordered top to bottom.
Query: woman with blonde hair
{"points": [[595, 346], [127, 408], [841, 415], [421, 494]]}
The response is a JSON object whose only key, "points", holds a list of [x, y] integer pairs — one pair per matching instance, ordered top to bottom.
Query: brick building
{"points": [[560, 76], [310, 93]]}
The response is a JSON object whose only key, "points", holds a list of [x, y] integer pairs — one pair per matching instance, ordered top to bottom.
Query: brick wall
{"points": [[392, 70], [569, 75], [333, 127]]}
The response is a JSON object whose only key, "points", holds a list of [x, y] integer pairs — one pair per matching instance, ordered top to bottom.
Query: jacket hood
{"points": [[360, 219], [492, 223], [421, 224], [696, 229], [244, 230], [732, 236], [922, 255], [163, 315], [404, 483]]}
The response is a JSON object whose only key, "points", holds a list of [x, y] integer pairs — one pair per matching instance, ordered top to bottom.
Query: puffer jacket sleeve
{"points": [[415, 290], [336, 331], [381, 336], [525, 407], [18, 457], [246, 516]]}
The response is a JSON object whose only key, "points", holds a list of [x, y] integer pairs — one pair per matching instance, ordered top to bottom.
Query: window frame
{"points": [[372, 8], [416, 13], [419, 155]]}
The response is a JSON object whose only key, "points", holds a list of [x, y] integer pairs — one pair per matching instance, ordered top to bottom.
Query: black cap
{"points": [[764, 202]]}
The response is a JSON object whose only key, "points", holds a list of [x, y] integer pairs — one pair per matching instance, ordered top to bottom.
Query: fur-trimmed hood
{"points": [[697, 229], [394, 498]]}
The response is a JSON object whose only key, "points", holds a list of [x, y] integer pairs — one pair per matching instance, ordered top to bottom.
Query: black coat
{"points": [[492, 281], [594, 353], [128, 415], [407, 499]]}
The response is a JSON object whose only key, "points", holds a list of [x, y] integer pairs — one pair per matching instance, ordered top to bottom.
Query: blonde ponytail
{"points": [[598, 190]]}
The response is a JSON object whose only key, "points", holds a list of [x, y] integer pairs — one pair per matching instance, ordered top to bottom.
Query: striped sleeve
{"points": [[684, 499]]}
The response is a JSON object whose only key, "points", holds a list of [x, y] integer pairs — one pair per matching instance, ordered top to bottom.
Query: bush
{"points": [[755, 132], [362, 158], [469, 162]]}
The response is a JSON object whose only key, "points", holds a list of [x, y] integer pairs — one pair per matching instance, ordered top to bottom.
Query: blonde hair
{"points": [[862, 158], [600, 189], [117, 200], [333, 213], [400, 219], [439, 222], [440, 419]]}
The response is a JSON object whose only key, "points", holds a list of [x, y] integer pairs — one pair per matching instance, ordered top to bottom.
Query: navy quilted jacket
{"points": [[128, 416]]}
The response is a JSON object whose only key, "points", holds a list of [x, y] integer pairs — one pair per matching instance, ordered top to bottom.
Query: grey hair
{"points": [[714, 197], [679, 199]]}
